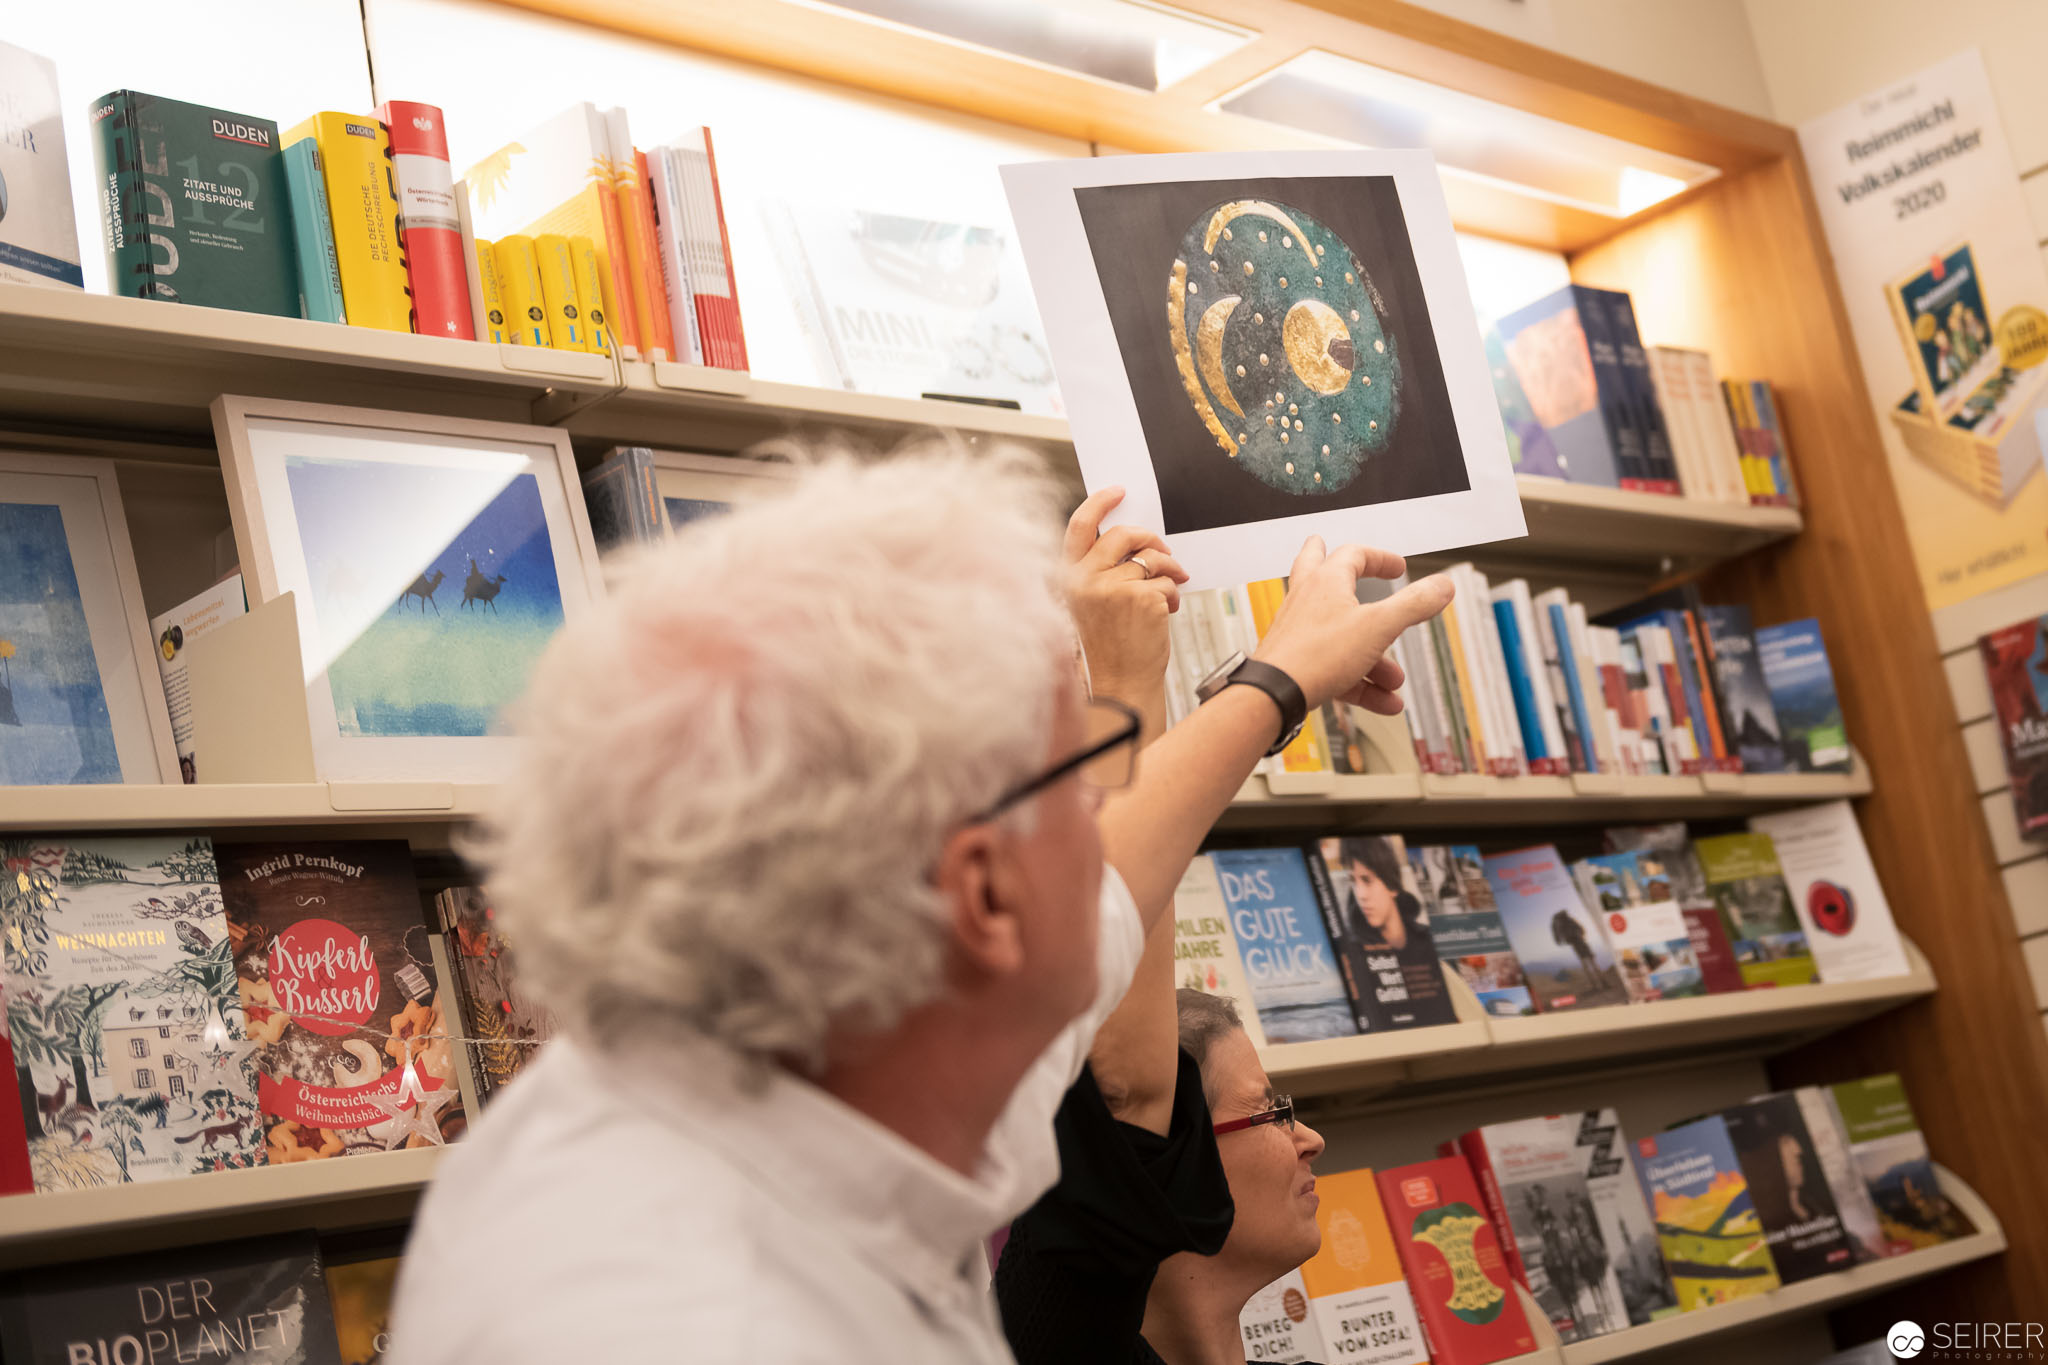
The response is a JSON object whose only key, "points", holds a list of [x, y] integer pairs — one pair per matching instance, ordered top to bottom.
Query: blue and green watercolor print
{"points": [[434, 589], [54, 725]]}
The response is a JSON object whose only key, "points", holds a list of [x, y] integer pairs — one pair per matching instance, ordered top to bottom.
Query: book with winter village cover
{"points": [[2016, 666], [1671, 844], [1746, 882], [1631, 894], [1465, 923], [1279, 926], [1379, 930], [1205, 956], [1565, 958], [336, 970], [510, 1024], [127, 1030], [1891, 1154], [1533, 1180], [1790, 1189], [1625, 1223], [1713, 1240], [260, 1302]]}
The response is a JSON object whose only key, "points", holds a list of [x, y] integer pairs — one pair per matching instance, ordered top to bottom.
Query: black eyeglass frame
{"points": [[1127, 733], [1282, 1112]]}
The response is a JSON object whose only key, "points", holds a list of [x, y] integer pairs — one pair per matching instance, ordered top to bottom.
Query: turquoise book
{"points": [[195, 208], [313, 251]]}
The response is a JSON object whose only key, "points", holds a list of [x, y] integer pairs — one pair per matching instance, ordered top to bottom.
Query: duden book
{"points": [[1465, 923], [1380, 933], [1205, 956], [1564, 956], [1287, 959], [336, 969], [124, 1021], [1533, 1179], [1791, 1191], [1713, 1240], [258, 1302], [1360, 1302]]}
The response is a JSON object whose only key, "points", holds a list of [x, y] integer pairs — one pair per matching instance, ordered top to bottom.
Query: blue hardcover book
{"points": [[313, 234], [1575, 395], [1659, 466], [1561, 627], [1794, 662], [1519, 686], [1748, 718], [1278, 923], [1565, 958]]}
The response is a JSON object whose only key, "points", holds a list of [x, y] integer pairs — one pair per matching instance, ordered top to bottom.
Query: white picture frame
{"points": [[1166, 387], [681, 477], [365, 517], [84, 519]]}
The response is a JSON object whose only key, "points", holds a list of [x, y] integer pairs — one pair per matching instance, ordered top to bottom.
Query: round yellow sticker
{"points": [[2023, 336]]}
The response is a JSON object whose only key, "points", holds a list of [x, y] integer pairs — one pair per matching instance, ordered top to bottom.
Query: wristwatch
{"points": [[1268, 679]]}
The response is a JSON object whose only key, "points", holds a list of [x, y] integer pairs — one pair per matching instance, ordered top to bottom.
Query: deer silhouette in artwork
{"points": [[424, 587], [483, 588]]}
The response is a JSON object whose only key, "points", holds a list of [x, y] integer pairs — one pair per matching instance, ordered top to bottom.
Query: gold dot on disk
{"points": [[1226, 234], [1262, 236], [1287, 242], [1320, 248], [1215, 265], [1247, 267], [1348, 279], [1283, 281], [1319, 281], [1194, 288], [1354, 315], [1258, 317], [1379, 345], [1264, 359], [1240, 372], [1367, 379], [1279, 398], [1269, 402], [1291, 408], [1337, 417], [1269, 419], [1297, 424], [1372, 425], [1242, 438], [1283, 438], [1326, 449], [1290, 466], [1319, 476]]}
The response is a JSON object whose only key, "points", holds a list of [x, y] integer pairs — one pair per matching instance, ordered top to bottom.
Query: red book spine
{"points": [[427, 223], [731, 304], [1674, 697], [1725, 759], [1719, 970], [1473, 1147], [15, 1174]]}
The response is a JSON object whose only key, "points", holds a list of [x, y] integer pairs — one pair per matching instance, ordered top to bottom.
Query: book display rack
{"points": [[136, 380]]}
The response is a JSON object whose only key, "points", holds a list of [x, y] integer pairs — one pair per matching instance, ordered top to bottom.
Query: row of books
{"points": [[587, 242], [1583, 399], [1507, 682], [1359, 934], [176, 1008], [1602, 1232], [284, 1298]]}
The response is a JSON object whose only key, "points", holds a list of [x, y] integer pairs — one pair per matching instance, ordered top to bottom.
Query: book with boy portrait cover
{"points": [[1379, 930], [336, 967]]}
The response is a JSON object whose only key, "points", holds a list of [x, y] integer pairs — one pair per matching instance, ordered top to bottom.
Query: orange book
{"points": [[657, 326], [1310, 751], [1356, 1291]]}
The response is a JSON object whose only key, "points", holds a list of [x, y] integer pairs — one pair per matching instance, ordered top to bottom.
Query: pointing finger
{"points": [[1086, 523]]}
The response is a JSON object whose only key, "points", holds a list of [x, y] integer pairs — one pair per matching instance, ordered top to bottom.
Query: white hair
{"points": [[738, 770]]}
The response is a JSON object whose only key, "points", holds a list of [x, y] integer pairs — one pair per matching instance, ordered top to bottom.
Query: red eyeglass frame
{"points": [[1281, 1112]]}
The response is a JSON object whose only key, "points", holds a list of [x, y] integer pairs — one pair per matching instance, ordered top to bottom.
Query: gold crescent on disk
{"points": [[1239, 208], [1209, 350]]}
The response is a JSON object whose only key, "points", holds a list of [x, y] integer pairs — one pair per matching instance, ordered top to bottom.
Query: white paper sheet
{"points": [[1202, 307]]}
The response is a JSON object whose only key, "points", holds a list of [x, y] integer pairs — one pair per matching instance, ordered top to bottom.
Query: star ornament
{"points": [[414, 1111]]}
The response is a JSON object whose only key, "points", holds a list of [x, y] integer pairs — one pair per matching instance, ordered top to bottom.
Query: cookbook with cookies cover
{"points": [[336, 968]]}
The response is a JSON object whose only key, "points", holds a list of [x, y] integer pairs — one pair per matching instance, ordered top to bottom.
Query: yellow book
{"points": [[355, 153], [519, 282], [590, 295], [496, 327], [566, 327], [1756, 474], [1466, 698], [1309, 752]]}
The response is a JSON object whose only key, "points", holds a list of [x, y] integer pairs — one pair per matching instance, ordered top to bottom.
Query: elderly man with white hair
{"points": [[807, 850]]}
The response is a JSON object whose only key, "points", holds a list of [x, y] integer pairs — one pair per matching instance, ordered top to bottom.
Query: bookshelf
{"points": [[1478, 1052]]}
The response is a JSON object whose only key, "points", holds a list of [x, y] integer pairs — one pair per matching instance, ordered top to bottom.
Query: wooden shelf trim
{"points": [[1478, 1046]]}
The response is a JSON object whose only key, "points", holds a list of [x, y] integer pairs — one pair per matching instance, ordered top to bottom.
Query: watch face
{"points": [[1218, 676]]}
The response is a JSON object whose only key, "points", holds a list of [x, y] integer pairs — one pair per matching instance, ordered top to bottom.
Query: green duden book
{"points": [[193, 205]]}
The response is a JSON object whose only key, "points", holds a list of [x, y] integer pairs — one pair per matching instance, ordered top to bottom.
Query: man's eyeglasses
{"points": [[1106, 761], [1281, 1113]]}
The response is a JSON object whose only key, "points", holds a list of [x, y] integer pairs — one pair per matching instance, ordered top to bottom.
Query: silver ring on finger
{"points": [[1139, 560]]}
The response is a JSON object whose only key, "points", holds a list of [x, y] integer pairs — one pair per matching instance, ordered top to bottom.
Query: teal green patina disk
{"points": [[1276, 334]]}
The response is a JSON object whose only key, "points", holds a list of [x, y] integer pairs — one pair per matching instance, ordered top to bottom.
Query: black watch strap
{"points": [[1285, 694]]}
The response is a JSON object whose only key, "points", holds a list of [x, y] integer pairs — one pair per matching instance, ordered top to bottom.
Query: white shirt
{"points": [[633, 1210]]}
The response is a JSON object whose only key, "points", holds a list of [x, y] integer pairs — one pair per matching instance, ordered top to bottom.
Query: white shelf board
{"points": [[97, 361], [208, 806], [1478, 1047], [342, 1193], [1821, 1294]]}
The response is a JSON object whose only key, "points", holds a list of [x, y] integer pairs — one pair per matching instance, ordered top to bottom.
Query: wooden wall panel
{"points": [[1744, 273]]}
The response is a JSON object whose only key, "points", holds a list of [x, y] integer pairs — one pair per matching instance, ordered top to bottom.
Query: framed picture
{"points": [[1266, 346], [695, 486], [431, 560], [80, 698]]}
